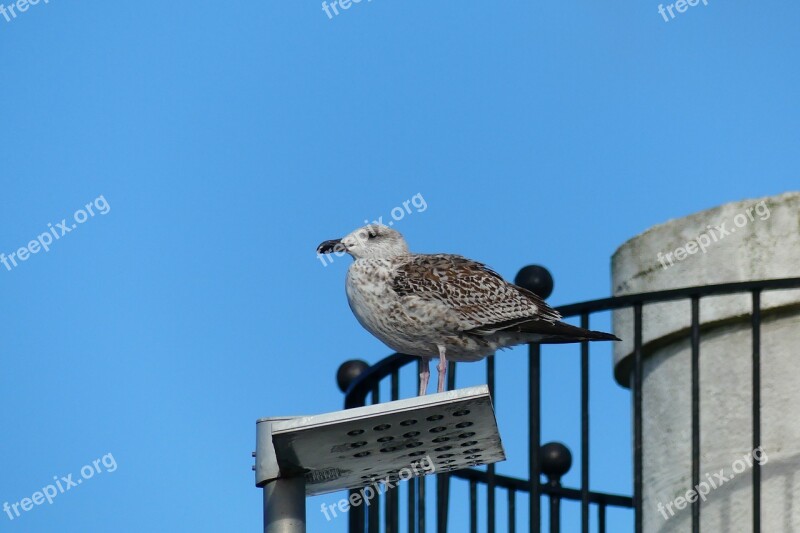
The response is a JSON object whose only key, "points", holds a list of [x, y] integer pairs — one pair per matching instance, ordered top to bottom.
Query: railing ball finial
{"points": [[536, 279], [349, 371], [556, 461]]}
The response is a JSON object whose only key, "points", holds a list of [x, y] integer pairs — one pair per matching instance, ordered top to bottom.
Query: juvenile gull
{"points": [[442, 305]]}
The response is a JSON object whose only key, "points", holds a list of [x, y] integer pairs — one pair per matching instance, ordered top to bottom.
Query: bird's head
{"points": [[370, 242]]}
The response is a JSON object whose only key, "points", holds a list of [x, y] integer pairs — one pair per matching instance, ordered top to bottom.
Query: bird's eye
{"points": [[365, 235]]}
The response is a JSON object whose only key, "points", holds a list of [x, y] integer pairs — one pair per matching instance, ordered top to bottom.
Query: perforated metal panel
{"points": [[356, 447]]}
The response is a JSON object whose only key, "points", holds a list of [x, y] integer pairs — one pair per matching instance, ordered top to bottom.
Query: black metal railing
{"points": [[553, 462]]}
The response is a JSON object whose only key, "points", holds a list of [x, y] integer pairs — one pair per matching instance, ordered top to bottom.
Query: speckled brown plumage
{"points": [[484, 300]]}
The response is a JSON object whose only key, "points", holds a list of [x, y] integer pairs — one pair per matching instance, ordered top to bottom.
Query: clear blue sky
{"points": [[229, 139]]}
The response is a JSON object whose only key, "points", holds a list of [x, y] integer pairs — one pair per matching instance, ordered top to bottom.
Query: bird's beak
{"points": [[334, 245]]}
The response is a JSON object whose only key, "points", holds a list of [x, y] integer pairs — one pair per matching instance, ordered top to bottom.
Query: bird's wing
{"points": [[479, 297]]}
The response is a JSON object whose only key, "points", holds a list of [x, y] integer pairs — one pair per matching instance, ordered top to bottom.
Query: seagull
{"points": [[442, 305]]}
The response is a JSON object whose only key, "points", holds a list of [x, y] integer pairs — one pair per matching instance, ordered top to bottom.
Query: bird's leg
{"points": [[442, 368], [424, 375]]}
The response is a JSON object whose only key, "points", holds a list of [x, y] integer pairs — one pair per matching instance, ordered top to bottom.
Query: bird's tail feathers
{"points": [[547, 332]]}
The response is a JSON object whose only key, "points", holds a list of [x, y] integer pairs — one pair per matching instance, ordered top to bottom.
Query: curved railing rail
{"points": [[367, 385]]}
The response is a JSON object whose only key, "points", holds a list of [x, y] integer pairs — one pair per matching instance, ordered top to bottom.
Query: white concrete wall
{"points": [[764, 244]]}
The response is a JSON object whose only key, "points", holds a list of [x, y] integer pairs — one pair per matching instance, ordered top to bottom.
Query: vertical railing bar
{"points": [[756, 328], [395, 385], [696, 409], [637, 416], [585, 428], [534, 438], [490, 469], [442, 489], [393, 494], [413, 499], [421, 503], [374, 507], [412, 507], [473, 507], [512, 511], [555, 513], [373, 515], [355, 517], [601, 518], [362, 519], [391, 519]]}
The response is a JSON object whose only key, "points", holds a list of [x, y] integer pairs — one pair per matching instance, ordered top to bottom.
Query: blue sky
{"points": [[228, 140]]}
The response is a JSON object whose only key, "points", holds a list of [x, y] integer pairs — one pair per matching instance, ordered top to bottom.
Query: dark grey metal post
{"points": [[285, 505]]}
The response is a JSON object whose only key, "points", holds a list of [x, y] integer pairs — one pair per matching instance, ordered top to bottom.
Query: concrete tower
{"points": [[749, 240]]}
